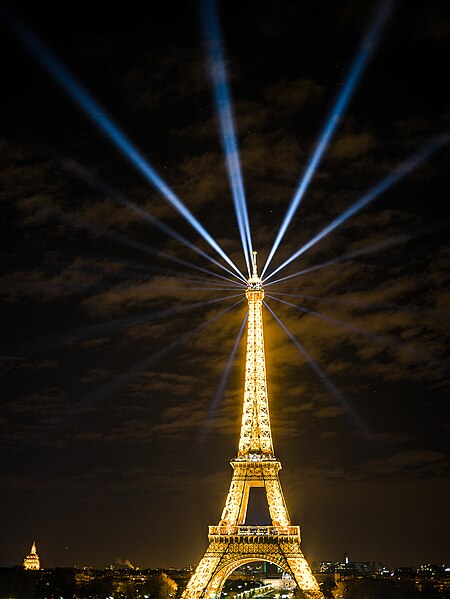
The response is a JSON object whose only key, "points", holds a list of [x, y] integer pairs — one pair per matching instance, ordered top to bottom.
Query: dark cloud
{"points": [[291, 96], [352, 145], [16, 364], [94, 375]]}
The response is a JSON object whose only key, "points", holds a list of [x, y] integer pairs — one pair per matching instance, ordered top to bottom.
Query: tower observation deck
{"points": [[232, 543]]}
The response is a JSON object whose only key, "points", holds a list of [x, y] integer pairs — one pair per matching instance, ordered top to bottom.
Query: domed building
{"points": [[31, 562]]}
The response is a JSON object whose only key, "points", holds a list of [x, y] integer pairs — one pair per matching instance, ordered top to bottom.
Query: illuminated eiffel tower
{"points": [[232, 543]]}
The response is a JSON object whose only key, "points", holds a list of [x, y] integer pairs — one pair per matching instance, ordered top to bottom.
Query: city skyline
{"points": [[117, 424], [31, 561]]}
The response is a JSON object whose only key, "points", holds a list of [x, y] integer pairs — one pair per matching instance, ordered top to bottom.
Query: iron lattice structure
{"points": [[232, 543]]}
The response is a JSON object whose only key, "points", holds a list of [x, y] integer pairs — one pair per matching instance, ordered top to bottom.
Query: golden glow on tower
{"points": [[256, 436], [232, 543], [31, 561]]}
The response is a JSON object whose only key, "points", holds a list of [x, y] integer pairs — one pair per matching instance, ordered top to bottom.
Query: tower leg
{"points": [[304, 577], [199, 585]]}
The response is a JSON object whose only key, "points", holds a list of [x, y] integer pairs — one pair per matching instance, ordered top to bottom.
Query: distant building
{"points": [[31, 561], [348, 567], [430, 569]]}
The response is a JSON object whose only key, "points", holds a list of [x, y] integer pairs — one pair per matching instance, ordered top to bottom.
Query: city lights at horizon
{"points": [[32, 562]]}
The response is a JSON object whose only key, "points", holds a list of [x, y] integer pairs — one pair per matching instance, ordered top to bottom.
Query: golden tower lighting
{"points": [[231, 542], [31, 561]]}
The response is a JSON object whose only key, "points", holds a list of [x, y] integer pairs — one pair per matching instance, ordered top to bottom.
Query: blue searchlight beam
{"points": [[365, 52], [222, 97], [105, 123], [399, 173], [97, 183], [122, 239], [220, 389]]}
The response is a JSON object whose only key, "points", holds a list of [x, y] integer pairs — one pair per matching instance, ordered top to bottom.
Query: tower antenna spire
{"points": [[255, 268]]}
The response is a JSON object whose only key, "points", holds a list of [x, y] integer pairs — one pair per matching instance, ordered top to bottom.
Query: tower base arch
{"points": [[226, 552]]}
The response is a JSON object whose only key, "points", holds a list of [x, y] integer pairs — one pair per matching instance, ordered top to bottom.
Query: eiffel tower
{"points": [[231, 542]]}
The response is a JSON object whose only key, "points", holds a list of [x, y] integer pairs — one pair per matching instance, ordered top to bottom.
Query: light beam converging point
{"points": [[224, 107], [334, 118], [105, 123], [404, 169], [97, 183], [223, 380], [334, 392]]}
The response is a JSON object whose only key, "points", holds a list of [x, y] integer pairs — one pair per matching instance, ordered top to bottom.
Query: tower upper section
{"points": [[255, 289], [255, 442]]}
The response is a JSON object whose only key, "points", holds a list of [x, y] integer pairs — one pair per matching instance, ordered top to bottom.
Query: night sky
{"points": [[110, 451]]}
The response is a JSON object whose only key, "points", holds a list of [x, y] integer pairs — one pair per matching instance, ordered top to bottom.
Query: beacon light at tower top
{"points": [[255, 283]]}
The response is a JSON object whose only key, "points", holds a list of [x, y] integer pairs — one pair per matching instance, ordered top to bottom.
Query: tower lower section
{"points": [[232, 547]]}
